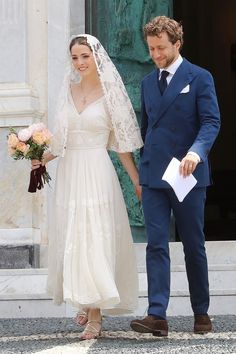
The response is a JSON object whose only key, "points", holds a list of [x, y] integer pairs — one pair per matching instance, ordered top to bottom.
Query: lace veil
{"points": [[125, 135]]}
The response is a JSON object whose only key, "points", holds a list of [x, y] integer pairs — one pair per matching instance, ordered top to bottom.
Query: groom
{"points": [[180, 118]]}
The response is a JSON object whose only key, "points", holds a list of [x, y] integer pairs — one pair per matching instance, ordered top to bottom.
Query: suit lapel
{"points": [[182, 77], [155, 93]]}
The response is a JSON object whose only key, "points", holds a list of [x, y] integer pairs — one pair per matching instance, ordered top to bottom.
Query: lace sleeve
{"points": [[125, 135]]}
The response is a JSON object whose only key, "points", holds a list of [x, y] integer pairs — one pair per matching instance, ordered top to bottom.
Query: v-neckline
{"points": [[90, 104]]}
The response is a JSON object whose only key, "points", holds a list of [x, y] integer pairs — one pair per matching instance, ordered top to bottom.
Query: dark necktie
{"points": [[163, 81]]}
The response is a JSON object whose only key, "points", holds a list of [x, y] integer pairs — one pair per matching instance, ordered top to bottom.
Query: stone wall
{"points": [[33, 40]]}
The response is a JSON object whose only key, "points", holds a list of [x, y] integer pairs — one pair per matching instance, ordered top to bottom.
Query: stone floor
{"points": [[60, 336]]}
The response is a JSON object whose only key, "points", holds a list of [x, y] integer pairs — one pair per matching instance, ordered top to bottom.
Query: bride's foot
{"points": [[82, 317], [94, 325]]}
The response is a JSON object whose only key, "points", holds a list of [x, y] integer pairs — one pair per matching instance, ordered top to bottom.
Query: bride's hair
{"points": [[79, 41]]}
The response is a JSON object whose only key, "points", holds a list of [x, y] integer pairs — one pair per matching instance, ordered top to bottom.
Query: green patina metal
{"points": [[118, 25]]}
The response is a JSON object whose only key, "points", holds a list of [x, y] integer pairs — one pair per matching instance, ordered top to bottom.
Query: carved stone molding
{"points": [[11, 12], [19, 105], [19, 236]]}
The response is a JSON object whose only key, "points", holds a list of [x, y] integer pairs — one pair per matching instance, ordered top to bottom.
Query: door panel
{"points": [[118, 25]]}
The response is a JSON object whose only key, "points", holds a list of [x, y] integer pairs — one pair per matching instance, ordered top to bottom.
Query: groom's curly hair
{"points": [[161, 24]]}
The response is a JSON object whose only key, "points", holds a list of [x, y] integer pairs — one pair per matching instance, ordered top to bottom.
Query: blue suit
{"points": [[171, 126]]}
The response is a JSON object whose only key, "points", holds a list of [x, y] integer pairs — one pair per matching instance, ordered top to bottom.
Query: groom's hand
{"points": [[188, 165]]}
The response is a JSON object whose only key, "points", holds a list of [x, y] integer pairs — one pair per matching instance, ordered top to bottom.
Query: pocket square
{"points": [[185, 89]]}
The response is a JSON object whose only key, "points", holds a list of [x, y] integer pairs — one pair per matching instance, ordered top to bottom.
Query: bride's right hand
{"points": [[46, 158], [35, 164]]}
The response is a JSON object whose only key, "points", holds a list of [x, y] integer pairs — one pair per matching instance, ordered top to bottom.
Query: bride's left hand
{"points": [[138, 191]]}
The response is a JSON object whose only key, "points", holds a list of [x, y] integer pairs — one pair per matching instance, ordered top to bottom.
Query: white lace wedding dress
{"points": [[91, 255]]}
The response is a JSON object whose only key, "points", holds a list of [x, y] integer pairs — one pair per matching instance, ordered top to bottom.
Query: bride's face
{"points": [[83, 60]]}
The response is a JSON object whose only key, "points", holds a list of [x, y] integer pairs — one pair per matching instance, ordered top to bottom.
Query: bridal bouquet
{"points": [[30, 143]]}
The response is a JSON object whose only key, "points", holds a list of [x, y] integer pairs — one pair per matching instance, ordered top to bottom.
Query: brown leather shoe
{"points": [[150, 324], [202, 324]]}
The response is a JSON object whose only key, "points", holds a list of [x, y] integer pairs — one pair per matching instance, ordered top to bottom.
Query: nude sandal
{"points": [[81, 318], [90, 330]]}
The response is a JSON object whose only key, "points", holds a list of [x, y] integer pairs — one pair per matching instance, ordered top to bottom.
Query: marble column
{"points": [[34, 36], [23, 74]]}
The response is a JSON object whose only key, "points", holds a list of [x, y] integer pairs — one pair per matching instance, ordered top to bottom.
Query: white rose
{"points": [[24, 134]]}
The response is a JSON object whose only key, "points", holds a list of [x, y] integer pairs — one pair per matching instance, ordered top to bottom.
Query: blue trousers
{"points": [[189, 217]]}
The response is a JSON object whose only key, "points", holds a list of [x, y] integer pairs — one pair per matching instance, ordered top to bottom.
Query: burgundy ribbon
{"points": [[36, 179]]}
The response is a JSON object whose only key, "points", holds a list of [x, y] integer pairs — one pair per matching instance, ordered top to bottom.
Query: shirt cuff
{"points": [[194, 154]]}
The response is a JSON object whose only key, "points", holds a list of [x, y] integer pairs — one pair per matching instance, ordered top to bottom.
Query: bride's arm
{"points": [[127, 161]]}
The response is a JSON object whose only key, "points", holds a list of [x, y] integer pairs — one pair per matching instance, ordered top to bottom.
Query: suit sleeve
{"points": [[208, 114]]}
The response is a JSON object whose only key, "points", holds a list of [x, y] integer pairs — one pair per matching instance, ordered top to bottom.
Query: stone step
{"points": [[219, 254], [221, 281], [31, 283], [23, 291], [23, 294], [178, 306]]}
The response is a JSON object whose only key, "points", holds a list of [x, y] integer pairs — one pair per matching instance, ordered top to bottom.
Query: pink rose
{"points": [[37, 127], [24, 134], [47, 136], [38, 138], [12, 140], [22, 147], [26, 149], [11, 151]]}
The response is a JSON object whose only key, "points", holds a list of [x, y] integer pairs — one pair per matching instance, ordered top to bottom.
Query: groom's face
{"points": [[162, 51]]}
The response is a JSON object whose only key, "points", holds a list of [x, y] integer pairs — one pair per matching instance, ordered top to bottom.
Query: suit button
{"points": [[177, 107], [173, 129]]}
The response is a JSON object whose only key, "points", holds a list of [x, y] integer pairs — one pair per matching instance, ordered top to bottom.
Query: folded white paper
{"points": [[181, 185]]}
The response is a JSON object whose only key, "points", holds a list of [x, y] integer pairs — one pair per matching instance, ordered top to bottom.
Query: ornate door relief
{"points": [[118, 25]]}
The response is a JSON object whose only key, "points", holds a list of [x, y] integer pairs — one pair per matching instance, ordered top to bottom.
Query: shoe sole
{"points": [[138, 327], [202, 332]]}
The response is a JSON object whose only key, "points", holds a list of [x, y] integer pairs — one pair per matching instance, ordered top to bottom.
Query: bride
{"points": [[91, 257]]}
